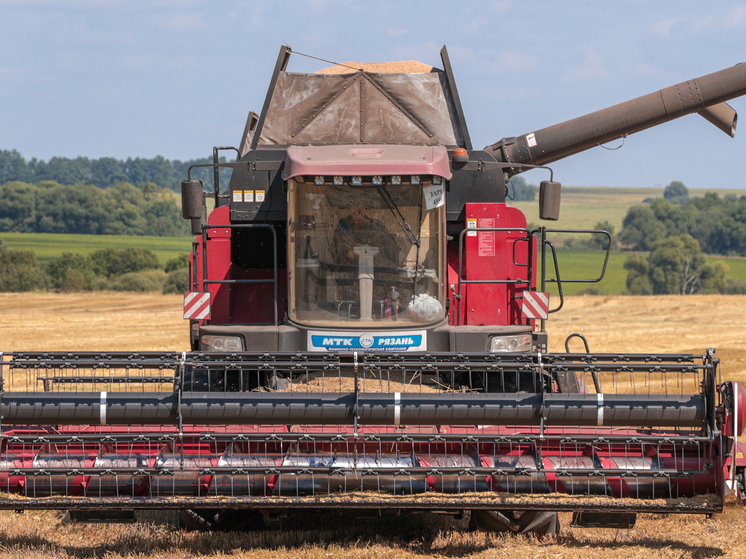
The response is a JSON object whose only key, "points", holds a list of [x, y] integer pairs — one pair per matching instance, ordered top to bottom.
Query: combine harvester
{"points": [[367, 335]]}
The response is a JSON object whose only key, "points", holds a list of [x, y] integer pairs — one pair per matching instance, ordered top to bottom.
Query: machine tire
{"points": [[221, 520], [538, 522]]}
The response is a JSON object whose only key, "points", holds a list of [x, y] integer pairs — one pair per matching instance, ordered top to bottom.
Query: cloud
{"points": [[499, 7], [736, 18], [182, 21], [700, 23], [476, 24], [663, 27], [516, 61], [592, 66], [646, 70], [8, 73]]}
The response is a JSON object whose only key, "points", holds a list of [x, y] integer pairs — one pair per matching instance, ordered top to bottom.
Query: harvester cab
{"points": [[367, 319]]}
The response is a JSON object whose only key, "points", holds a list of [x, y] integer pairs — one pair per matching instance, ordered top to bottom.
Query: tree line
{"points": [[105, 171], [121, 209], [718, 224], [677, 231], [130, 269]]}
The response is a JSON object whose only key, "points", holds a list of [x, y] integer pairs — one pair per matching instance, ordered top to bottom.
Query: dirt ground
{"points": [[108, 322]]}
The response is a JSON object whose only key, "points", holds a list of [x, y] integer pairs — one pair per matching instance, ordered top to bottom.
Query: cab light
{"points": [[437, 179], [377, 180], [396, 180], [415, 180], [318, 181], [339, 181], [356, 181]]}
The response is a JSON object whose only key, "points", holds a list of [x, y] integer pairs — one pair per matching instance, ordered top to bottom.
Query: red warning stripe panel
{"points": [[196, 305], [535, 305]]}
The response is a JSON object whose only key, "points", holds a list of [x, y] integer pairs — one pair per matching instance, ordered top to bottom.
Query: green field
{"points": [[51, 245], [575, 264]]}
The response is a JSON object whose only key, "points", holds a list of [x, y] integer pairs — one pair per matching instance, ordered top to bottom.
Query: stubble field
{"points": [[108, 322]]}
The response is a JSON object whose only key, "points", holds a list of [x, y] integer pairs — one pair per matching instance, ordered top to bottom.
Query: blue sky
{"points": [[125, 78]]}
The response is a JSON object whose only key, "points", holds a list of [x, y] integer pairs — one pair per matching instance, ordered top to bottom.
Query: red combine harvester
{"points": [[367, 334]]}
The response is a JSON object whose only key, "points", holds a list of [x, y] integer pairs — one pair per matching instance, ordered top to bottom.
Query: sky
{"points": [[141, 78]]}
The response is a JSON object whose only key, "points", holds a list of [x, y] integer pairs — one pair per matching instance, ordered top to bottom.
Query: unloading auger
{"points": [[367, 333]]}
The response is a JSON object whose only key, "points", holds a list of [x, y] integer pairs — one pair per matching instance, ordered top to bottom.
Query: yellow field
{"points": [[107, 322]]}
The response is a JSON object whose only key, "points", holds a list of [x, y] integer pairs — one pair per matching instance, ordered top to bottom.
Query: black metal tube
{"points": [[576, 135], [123, 408]]}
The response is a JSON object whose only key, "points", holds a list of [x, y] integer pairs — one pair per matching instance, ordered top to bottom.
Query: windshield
{"points": [[365, 255]]}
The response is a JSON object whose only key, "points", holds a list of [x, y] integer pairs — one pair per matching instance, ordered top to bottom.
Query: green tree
{"points": [[13, 167], [63, 170], [107, 171], [520, 191], [676, 192], [17, 206], [73, 209], [164, 219], [641, 229], [595, 241], [110, 262], [181, 262], [676, 265], [666, 266], [19, 271], [71, 272], [637, 275], [714, 278], [177, 281]]}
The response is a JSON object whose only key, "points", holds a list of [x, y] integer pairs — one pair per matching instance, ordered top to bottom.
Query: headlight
{"points": [[221, 343], [511, 343]]}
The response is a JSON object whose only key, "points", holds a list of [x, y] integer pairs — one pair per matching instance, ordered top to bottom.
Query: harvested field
{"points": [[107, 322]]}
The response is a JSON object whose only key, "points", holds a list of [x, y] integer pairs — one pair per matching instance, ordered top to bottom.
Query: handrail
{"points": [[462, 281]]}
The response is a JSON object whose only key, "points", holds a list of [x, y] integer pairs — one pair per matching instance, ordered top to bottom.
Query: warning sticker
{"points": [[531, 140], [248, 195], [260, 195], [237, 196], [471, 224], [486, 238], [197, 305]]}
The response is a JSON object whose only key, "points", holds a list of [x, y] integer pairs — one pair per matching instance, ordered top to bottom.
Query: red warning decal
{"points": [[196, 305], [535, 305]]}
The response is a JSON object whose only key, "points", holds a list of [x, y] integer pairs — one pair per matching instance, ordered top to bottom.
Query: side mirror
{"points": [[550, 193], [192, 199], [198, 222], [197, 226]]}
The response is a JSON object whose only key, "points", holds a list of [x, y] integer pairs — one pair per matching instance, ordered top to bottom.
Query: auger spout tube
{"points": [[573, 136], [613, 410]]}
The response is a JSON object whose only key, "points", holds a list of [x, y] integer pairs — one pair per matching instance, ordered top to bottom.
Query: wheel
{"points": [[221, 520], [537, 522]]}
